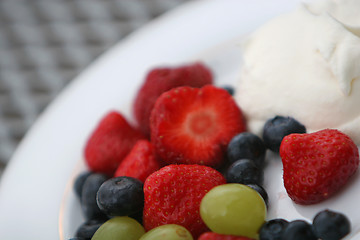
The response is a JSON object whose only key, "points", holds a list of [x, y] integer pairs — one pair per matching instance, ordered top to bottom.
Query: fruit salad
{"points": [[195, 163], [199, 174]]}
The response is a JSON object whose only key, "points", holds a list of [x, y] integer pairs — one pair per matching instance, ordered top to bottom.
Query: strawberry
{"points": [[160, 80], [194, 126], [110, 142], [139, 163], [317, 165], [173, 195], [217, 236]]}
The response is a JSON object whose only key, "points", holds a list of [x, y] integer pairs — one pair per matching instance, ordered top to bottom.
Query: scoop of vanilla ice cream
{"points": [[305, 64]]}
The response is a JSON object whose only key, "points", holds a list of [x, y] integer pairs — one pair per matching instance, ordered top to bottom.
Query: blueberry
{"points": [[229, 89], [277, 128], [246, 145], [244, 171], [79, 183], [261, 191], [121, 196], [88, 199], [138, 216], [329, 225], [87, 229], [273, 229], [298, 230], [77, 238]]}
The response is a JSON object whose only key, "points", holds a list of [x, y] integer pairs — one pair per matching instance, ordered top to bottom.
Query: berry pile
{"points": [[189, 170], [326, 225]]}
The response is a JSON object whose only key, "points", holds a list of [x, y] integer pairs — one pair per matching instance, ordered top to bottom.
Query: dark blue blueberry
{"points": [[229, 89], [277, 128], [247, 145], [244, 171], [79, 183], [261, 191], [121, 196], [88, 199], [138, 216], [329, 225], [87, 229], [273, 229], [298, 230], [77, 238]]}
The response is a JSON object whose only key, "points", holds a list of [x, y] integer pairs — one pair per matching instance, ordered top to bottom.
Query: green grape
{"points": [[233, 209], [119, 228], [168, 232]]}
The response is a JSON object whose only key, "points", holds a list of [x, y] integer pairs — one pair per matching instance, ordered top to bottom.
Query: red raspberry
{"points": [[160, 80], [194, 126], [110, 142], [140, 162], [317, 165], [173, 195], [217, 236]]}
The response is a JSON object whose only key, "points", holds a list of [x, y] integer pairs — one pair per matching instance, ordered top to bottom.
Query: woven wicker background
{"points": [[44, 44]]}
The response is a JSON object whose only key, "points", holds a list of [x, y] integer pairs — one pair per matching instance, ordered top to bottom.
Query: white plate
{"points": [[32, 200]]}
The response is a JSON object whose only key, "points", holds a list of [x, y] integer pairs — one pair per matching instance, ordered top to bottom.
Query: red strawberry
{"points": [[160, 80], [194, 126], [111, 141], [139, 163], [317, 165], [173, 195], [217, 236]]}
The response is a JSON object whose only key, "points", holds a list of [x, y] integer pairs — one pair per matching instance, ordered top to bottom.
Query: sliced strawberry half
{"points": [[162, 79], [194, 126], [140, 162]]}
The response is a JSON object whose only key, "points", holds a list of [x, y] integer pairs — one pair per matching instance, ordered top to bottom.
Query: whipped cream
{"points": [[305, 64]]}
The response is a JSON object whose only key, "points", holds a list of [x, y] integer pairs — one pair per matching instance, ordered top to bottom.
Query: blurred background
{"points": [[44, 44]]}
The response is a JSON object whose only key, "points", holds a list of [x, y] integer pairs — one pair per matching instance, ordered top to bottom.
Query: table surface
{"points": [[45, 44]]}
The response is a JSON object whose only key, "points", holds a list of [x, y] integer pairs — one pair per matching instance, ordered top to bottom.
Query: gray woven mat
{"points": [[44, 44]]}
